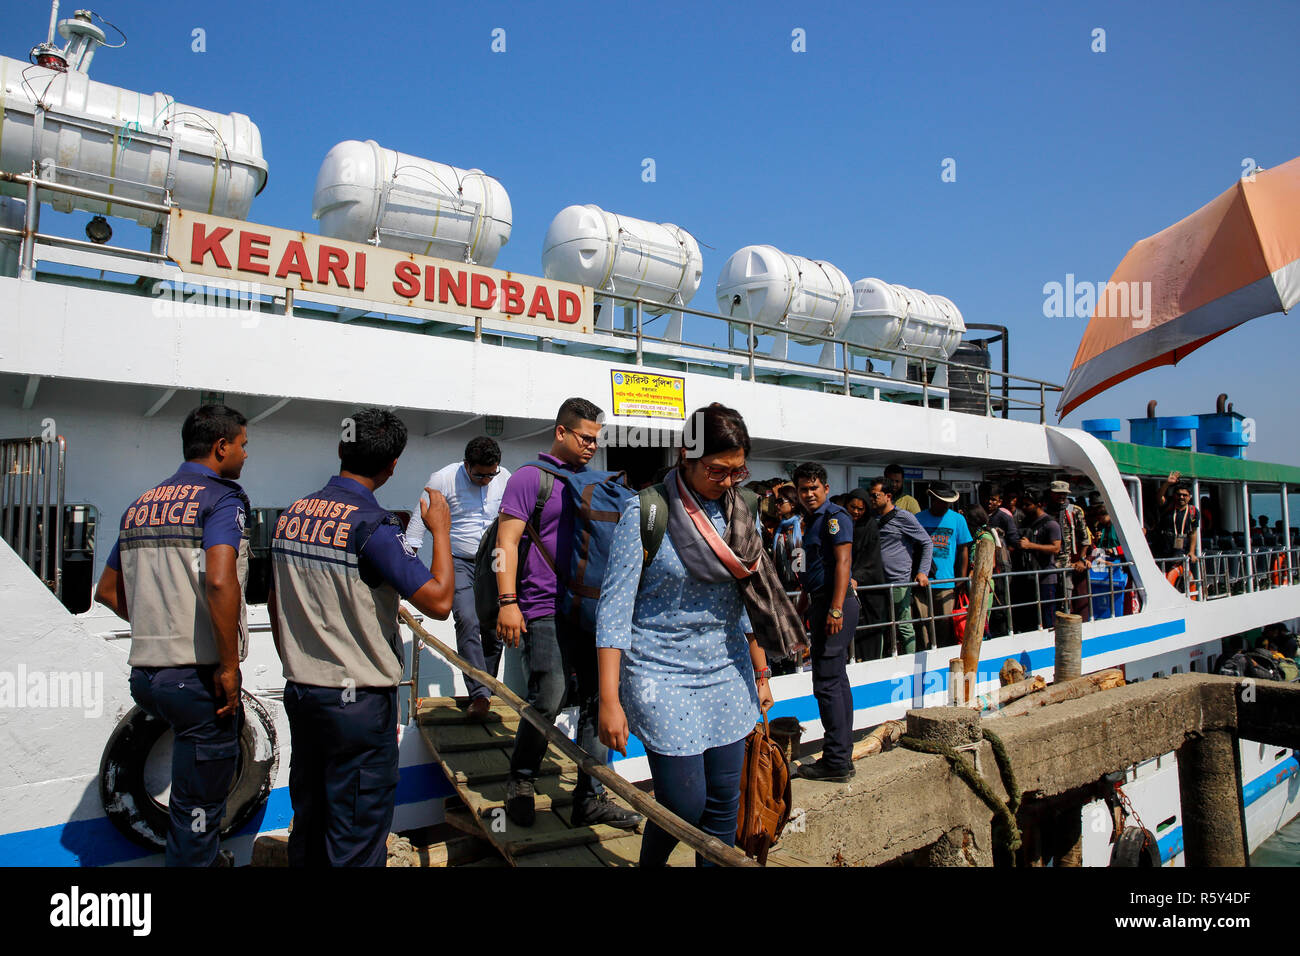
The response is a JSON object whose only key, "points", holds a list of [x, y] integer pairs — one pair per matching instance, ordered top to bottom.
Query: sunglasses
{"points": [[718, 473], [481, 477]]}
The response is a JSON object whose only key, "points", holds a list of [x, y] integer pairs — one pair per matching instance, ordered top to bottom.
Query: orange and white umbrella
{"points": [[1232, 260]]}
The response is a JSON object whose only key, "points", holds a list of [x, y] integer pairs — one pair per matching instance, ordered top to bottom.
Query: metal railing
{"points": [[748, 357], [843, 370], [31, 504], [1217, 574], [917, 618]]}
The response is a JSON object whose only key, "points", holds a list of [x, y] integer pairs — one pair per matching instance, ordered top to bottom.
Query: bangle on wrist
{"points": [[502, 602]]}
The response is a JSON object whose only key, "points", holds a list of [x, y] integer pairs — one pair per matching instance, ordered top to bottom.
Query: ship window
{"points": [[1175, 669], [1164, 825]]}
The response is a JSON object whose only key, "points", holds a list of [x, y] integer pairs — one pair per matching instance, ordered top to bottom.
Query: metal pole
{"points": [[31, 220], [288, 302], [478, 328], [750, 344], [640, 355], [925, 384], [847, 391], [1042, 404], [29, 501], [6, 503], [47, 515], [58, 520], [1286, 532], [1199, 549], [1250, 557]]}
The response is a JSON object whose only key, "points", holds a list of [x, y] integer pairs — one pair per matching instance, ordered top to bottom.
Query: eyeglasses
{"points": [[586, 440], [720, 474], [477, 476]]}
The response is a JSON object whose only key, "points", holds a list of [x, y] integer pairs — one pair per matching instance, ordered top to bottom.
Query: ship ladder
{"points": [[475, 758]]}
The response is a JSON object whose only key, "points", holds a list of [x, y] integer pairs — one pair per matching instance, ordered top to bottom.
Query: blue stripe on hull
{"points": [[96, 842]]}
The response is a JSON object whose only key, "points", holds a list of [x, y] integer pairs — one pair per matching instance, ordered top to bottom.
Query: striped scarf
{"points": [[708, 556]]}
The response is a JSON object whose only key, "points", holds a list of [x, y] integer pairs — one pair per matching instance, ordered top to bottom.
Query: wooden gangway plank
{"points": [[475, 759], [472, 760]]}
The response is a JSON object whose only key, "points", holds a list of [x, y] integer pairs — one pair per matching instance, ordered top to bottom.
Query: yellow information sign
{"points": [[644, 395]]}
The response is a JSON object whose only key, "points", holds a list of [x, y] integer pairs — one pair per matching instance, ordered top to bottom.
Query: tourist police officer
{"points": [[827, 563], [341, 565], [177, 574]]}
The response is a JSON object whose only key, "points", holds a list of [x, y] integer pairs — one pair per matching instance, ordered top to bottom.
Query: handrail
{"points": [[814, 337], [710, 847]]}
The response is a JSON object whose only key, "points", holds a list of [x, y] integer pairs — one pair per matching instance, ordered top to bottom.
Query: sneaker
{"points": [[478, 709], [819, 770], [519, 801], [601, 809]]}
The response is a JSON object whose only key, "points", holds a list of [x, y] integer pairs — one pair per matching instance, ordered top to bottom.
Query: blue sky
{"points": [[1064, 157]]}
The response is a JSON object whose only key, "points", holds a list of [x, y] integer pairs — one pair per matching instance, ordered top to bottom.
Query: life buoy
{"points": [[1279, 565], [1175, 573], [132, 804], [1135, 847]]}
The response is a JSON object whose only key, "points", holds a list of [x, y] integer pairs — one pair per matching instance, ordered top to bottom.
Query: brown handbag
{"points": [[764, 794]]}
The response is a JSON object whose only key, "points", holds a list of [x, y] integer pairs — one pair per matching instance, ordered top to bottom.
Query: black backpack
{"points": [[1255, 664]]}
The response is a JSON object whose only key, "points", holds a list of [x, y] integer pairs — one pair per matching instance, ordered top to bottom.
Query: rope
{"points": [[1004, 812]]}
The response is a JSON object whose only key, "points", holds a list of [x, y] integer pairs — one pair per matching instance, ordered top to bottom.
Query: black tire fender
{"points": [[143, 819], [1135, 847]]}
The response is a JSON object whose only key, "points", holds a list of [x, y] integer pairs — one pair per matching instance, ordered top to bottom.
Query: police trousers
{"points": [[830, 679], [205, 754], [342, 774]]}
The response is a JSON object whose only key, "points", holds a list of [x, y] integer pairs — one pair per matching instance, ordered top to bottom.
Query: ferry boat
{"points": [[396, 304]]}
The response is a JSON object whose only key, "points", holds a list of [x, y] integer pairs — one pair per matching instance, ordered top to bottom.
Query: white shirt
{"points": [[473, 506]]}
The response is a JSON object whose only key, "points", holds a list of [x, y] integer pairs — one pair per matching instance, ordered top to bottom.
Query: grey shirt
{"points": [[904, 545]]}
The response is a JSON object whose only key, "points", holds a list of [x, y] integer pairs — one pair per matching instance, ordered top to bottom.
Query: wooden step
{"points": [[439, 711], [457, 738], [555, 790], [552, 833]]}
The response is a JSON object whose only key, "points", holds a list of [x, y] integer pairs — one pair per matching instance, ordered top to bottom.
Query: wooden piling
{"points": [[980, 595], [1069, 646]]}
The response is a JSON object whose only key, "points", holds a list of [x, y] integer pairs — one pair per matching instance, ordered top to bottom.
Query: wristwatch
{"points": [[835, 613], [764, 674]]}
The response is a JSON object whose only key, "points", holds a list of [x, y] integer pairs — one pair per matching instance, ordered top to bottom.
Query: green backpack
{"points": [[654, 518]]}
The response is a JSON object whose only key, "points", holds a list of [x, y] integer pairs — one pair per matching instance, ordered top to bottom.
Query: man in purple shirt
{"points": [[530, 608]]}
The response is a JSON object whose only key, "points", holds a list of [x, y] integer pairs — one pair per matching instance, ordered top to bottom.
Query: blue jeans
{"points": [[483, 650], [552, 650], [205, 755], [342, 775], [702, 789]]}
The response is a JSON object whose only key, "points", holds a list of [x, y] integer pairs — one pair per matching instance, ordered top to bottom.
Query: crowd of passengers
{"points": [[911, 559]]}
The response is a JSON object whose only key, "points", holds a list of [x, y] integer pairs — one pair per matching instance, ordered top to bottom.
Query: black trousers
{"points": [[830, 679], [342, 775]]}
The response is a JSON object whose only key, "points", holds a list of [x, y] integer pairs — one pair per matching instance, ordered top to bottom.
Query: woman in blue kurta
{"points": [[679, 666]]}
